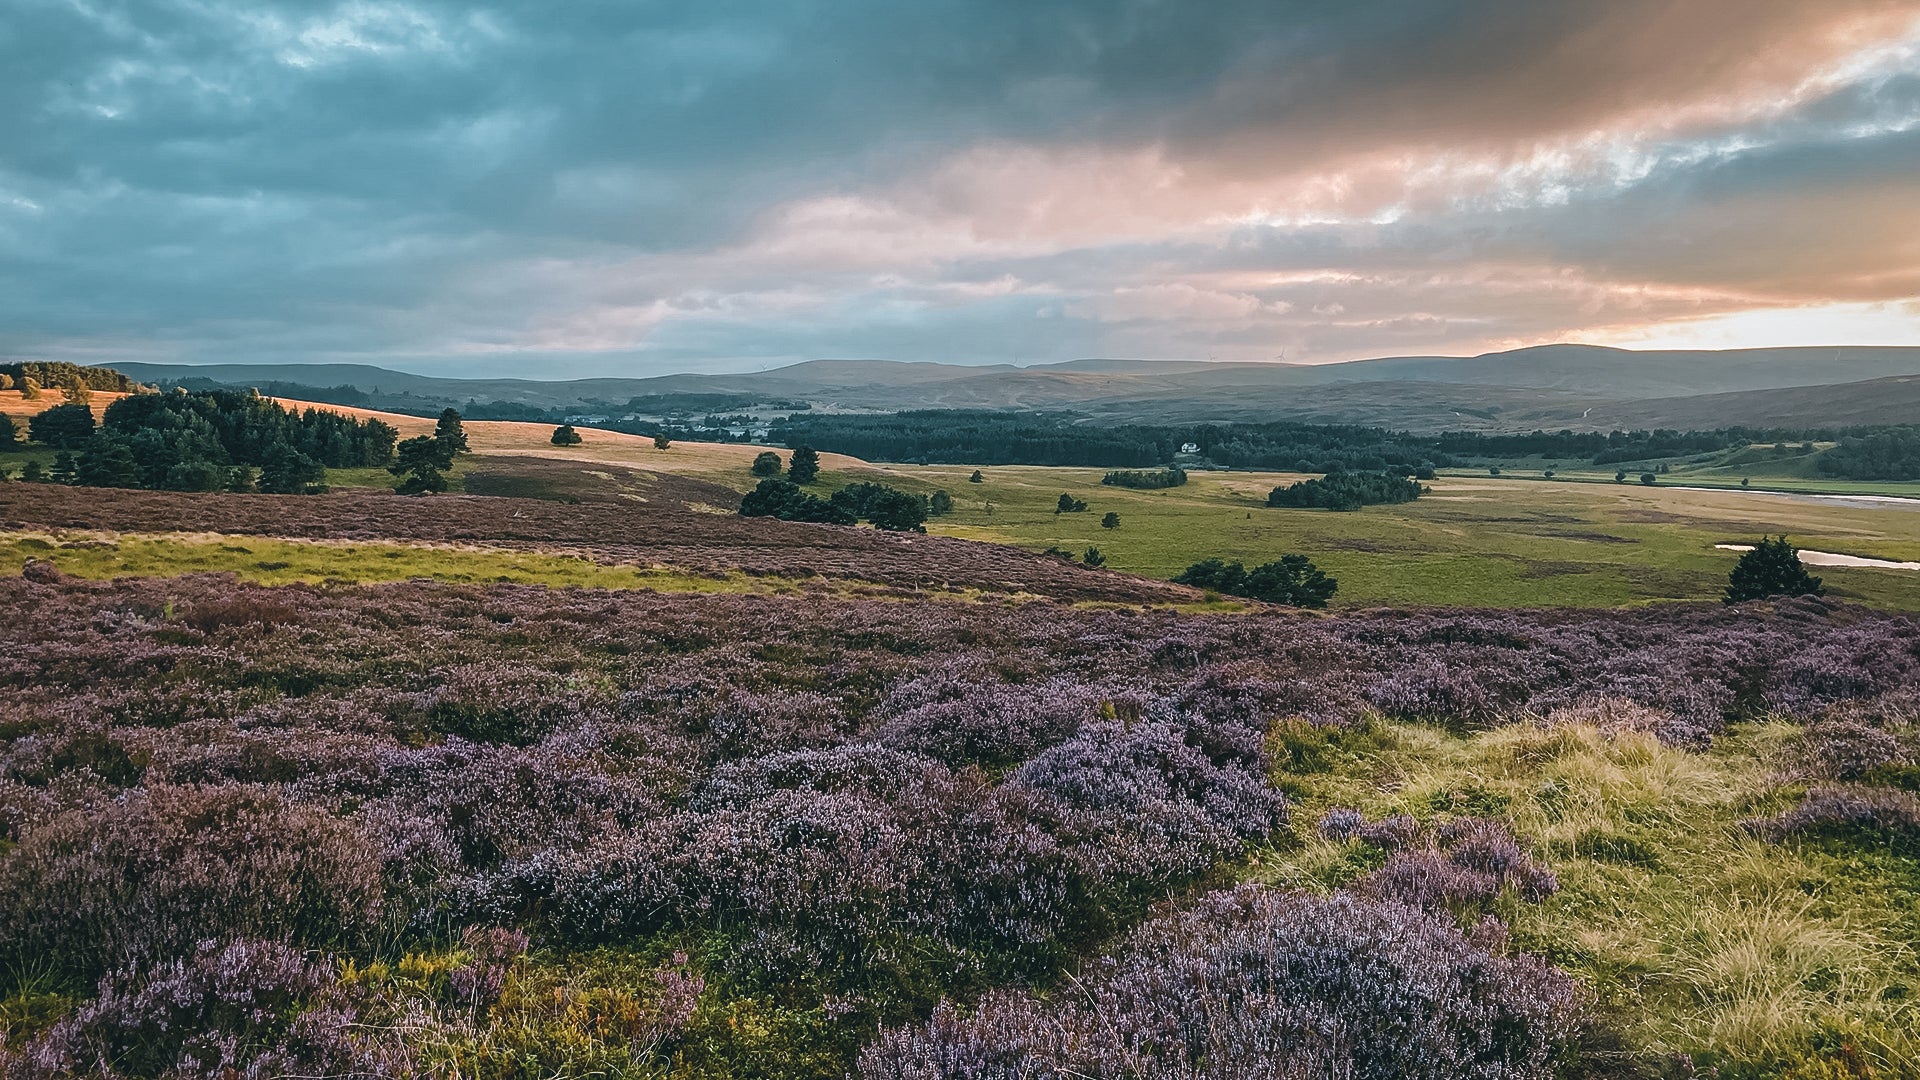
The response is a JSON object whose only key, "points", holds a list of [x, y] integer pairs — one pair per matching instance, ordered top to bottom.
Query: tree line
{"points": [[30, 377], [966, 436], [206, 441], [1891, 453], [1147, 479]]}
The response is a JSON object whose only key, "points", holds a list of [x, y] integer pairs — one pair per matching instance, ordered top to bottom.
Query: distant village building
{"points": [[1190, 448]]}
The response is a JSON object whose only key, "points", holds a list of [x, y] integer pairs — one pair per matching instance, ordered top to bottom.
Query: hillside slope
{"points": [[1546, 382]]}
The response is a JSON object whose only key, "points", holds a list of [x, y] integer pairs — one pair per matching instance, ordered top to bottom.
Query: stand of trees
{"points": [[56, 374], [63, 427], [961, 436], [978, 437], [207, 441], [1891, 453], [1146, 480], [1346, 491], [778, 497], [881, 506], [884, 507], [1290, 579]]}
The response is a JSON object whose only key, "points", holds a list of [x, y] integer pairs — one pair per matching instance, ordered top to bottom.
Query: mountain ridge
{"points": [[1544, 385]]}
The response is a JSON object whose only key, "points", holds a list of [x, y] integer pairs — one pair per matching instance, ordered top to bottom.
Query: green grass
{"points": [[1763, 466], [340, 479], [1474, 540], [270, 561], [282, 562], [1700, 939]]}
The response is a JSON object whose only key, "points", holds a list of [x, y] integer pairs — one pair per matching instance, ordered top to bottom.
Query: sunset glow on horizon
{"points": [[556, 190]]}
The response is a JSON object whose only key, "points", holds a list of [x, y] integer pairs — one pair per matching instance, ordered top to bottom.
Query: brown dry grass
{"points": [[12, 404], [722, 463]]}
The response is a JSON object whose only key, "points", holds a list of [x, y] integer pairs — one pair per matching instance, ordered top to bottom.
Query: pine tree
{"points": [[451, 434], [564, 435], [420, 460], [109, 462], [766, 463], [804, 466], [65, 469], [287, 471], [1112, 520], [1772, 568]]}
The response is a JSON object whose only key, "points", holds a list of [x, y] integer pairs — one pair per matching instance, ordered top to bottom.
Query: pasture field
{"points": [[1512, 540], [1516, 540], [1488, 541], [1498, 541], [1507, 541]]}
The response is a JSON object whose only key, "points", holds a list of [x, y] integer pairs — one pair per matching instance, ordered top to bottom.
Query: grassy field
{"points": [[1765, 467], [1517, 539], [1512, 540], [1485, 541], [282, 562]]}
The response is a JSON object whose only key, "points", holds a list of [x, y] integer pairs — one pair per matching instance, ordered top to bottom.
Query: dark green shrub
{"points": [[1772, 568]]}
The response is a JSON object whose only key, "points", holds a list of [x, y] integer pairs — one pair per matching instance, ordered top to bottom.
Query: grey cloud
{"points": [[421, 181]]}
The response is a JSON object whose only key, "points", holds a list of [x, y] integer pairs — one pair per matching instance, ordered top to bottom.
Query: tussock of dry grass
{"points": [[1705, 939]]}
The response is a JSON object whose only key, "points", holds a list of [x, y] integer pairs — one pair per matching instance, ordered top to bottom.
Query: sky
{"points": [[556, 189]]}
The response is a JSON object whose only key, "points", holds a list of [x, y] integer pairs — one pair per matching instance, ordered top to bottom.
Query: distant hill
{"points": [[1580, 386], [1894, 400]]}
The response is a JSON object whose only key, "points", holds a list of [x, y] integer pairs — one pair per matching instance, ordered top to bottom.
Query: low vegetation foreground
{"points": [[631, 757]]}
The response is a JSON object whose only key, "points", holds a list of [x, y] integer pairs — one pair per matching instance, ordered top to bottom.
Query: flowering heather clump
{"points": [[1615, 716], [1862, 740], [1885, 815], [1342, 823], [1397, 833], [1461, 866], [146, 877], [1258, 982], [476, 984], [246, 1008]]}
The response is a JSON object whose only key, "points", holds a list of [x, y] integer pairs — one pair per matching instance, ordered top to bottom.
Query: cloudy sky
{"points": [[564, 187]]}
